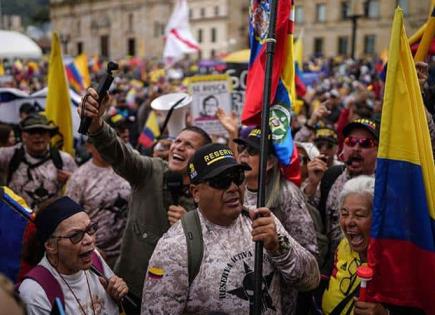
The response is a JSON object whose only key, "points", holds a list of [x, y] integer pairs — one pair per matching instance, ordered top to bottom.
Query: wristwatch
{"points": [[284, 246]]}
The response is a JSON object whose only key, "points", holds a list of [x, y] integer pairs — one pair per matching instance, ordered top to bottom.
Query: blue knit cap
{"points": [[49, 218]]}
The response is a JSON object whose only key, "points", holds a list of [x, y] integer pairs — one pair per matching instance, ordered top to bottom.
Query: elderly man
{"points": [[35, 171], [158, 198], [69, 241], [224, 281]]}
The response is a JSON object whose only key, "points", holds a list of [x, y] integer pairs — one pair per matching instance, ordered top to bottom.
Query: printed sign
{"points": [[209, 92]]}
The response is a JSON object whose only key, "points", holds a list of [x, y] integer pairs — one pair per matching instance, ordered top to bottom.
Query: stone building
{"points": [[327, 26], [116, 28]]}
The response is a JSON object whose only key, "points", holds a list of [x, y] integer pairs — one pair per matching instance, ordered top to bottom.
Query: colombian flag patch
{"points": [[156, 273]]}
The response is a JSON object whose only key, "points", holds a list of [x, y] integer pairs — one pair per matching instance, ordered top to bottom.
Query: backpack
{"points": [[19, 157], [49, 283]]}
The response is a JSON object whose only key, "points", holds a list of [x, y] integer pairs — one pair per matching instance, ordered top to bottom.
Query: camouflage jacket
{"points": [[35, 184], [104, 195], [225, 279]]}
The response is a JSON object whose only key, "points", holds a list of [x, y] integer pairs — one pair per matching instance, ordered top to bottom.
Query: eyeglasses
{"points": [[365, 143], [251, 151], [223, 182], [77, 236]]}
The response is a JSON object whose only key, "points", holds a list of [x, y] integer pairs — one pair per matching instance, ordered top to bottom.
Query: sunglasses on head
{"points": [[365, 143], [251, 151], [223, 181], [78, 235]]}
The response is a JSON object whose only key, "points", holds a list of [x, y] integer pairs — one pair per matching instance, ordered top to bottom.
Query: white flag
{"points": [[179, 39]]}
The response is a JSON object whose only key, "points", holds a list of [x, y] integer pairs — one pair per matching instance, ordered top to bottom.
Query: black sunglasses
{"points": [[35, 131], [321, 144], [251, 151], [223, 181], [78, 235]]}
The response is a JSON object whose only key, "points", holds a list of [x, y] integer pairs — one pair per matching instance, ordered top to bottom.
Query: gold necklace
{"points": [[77, 300]]}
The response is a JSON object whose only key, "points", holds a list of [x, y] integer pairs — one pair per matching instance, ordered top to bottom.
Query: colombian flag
{"points": [[75, 79], [150, 132], [14, 217], [402, 245]]}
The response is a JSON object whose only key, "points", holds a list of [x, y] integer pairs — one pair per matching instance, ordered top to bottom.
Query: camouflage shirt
{"points": [[35, 184], [104, 195], [225, 279]]}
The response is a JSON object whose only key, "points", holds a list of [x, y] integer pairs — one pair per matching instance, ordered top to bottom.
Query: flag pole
{"points": [[261, 197]]}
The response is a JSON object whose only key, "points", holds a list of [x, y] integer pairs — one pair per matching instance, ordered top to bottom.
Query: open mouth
{"points": [[178, 157], [355, 161], [355, 239], [86, 255]]}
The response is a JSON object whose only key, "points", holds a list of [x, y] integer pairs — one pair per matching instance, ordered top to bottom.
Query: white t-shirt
{"points": [[37, 302]]}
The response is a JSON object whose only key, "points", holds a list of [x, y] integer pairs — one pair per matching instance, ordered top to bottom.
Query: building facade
{"points": [[327, 24], [117, 28]]}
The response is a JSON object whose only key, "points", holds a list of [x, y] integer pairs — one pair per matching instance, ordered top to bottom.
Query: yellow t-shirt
{"points": [[343, 280]]}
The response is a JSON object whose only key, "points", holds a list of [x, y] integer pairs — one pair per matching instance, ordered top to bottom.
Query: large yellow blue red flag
{"points": [[58, 105], [14, 217], [402, 245]]}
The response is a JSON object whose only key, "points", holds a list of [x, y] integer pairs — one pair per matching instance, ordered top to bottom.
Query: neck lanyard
{"points": [[77, 300]]}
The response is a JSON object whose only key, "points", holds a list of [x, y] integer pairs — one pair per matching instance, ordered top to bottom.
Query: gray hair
{"points": [[360, 185]]}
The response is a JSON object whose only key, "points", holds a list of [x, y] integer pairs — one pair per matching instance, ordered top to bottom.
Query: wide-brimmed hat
{"points": [[38, 121]]}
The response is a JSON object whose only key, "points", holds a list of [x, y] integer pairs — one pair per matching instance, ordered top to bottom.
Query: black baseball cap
{"points": [[363, 123], [325, 134], [253, 140], [212, 160]]}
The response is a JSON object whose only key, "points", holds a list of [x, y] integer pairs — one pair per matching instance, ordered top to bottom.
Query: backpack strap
{"points": [[56, 158], [15, 161], [328, 180], [195, 246], [97, 262], [48, 283]]}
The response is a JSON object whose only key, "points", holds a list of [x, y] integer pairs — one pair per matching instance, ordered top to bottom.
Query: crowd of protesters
{"points": [[114, 205]]}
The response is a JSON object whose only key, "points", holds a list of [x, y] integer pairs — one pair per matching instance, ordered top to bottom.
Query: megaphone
{"points": [[174, 107]]}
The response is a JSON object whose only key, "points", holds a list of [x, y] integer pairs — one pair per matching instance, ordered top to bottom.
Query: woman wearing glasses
{"points": [[69, 242]]}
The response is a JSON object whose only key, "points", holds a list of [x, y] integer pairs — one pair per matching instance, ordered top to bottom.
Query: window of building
{"points": [[404, 5], [371, 8], [345, 10], [216, 11], [202, 12], [320, 12], [190, 14], [299, 14], [130, 22], [79, 27], [159, 29], [200, 35], [213, 35], [343, 44], [369, 44], [104, 46], [318, 46], [131, 47], [79, 48], [212, 54]]}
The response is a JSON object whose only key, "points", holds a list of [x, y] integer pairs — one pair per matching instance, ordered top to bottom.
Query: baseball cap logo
{"points": [[217, 156]]}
